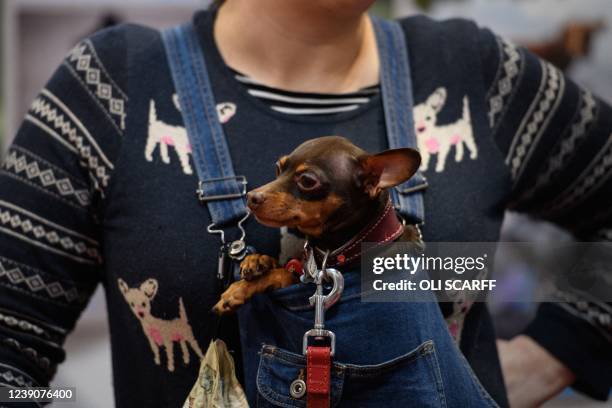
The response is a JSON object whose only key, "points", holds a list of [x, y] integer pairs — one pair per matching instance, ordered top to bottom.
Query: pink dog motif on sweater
{"points": [[164, 135], [433, 139], [160, 332]]}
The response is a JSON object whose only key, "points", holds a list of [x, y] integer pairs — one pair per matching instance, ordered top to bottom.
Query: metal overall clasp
{"points": [[237, 249], [231, 253], [323, 302]]}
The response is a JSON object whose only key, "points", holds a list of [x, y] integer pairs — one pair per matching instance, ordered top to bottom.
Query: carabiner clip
{"points": [[337, 287], [322, 303]]}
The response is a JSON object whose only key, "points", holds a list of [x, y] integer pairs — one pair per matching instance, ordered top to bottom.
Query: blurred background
{"points": [[36, 34]]}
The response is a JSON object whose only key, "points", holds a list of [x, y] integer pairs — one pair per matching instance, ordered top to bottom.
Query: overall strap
{"points": [[396, 86], [219, 187]]}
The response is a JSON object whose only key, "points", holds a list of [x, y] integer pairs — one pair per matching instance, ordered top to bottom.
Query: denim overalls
{"points": [[387, 354], [397, 354]]}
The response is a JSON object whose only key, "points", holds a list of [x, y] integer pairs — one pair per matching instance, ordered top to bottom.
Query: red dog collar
{"points": [[386, 228]]}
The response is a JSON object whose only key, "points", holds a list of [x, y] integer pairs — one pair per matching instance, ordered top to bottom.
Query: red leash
{"points": [[318, 376]]}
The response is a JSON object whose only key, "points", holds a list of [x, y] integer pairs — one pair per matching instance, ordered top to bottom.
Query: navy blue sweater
{"points": [[98, 187]]}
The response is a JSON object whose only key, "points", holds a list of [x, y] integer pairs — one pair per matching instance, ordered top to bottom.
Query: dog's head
{"points": [[426, 113], [328, 183], [139, 298]]}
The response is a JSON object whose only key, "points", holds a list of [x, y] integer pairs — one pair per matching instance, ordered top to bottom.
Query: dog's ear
{"points": [[437, 100], [280, 165], [388, 169], [123, 287], [149, 288]]}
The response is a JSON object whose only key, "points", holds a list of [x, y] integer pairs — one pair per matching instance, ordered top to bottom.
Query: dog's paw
{"points": [[256, 265], [232, 298]]}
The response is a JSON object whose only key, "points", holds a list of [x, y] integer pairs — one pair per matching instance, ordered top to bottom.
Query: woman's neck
{"points": [[293, 46]]}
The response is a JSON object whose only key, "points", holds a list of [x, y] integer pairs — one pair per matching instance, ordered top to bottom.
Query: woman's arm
{"points": [[557, 142], [53, 180]]}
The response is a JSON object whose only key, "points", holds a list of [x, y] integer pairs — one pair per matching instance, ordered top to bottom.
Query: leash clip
{"points": [[322, 303], [319, 357]]}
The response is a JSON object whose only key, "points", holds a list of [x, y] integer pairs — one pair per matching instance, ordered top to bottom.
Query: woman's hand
{"points": [[532, 375]]}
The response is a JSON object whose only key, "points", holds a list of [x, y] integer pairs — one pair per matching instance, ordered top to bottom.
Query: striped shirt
{"points": [[306, 103]]}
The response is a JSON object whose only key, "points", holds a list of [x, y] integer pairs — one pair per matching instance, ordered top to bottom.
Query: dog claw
{"points": [[251, 268], [233, 298]]}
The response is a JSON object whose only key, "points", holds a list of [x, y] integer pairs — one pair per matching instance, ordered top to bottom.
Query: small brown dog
{"points": [[328, 189]]}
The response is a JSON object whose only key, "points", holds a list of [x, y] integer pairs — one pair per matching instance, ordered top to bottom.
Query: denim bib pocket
{"points": [[278, 368], [412, 379]]}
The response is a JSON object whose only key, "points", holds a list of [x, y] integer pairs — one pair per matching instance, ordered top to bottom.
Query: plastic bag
{"points": [[217, 385]]}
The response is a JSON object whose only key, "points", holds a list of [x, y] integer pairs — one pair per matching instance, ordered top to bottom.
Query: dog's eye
{"points": [[428, 118], [308, 182], [132, 304], [143, 304]]}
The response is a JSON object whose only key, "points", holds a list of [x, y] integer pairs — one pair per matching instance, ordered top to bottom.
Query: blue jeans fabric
{"points": [[391, 354]]}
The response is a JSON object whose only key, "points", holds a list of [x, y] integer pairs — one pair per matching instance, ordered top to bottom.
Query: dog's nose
{"points": [[255, 199]]}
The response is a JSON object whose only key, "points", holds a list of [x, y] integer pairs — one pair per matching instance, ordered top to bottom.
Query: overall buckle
{"points": [[241, 180]]}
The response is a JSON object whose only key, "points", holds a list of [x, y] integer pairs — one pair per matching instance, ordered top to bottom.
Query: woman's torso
{"points": [[154, 228]]}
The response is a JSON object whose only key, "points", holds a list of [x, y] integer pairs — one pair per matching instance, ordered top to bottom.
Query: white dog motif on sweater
{"points": [[164, 135], [433, 139], [160, 332]]}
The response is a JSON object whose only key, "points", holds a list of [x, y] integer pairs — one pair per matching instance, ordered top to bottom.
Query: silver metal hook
{"points": [[242, 220], [212, 228], [337, 287], [321, 303]]}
